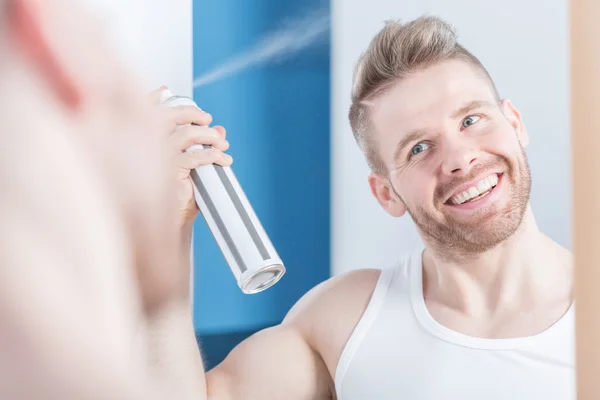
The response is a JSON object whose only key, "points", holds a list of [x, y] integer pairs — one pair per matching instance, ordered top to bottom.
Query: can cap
{"points": [[262, 279]]}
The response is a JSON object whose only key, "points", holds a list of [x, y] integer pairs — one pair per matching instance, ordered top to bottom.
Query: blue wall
{"points": [[277, 121]]}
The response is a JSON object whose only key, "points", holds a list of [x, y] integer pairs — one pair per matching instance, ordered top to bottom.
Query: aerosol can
{"points": [[242, 239]]}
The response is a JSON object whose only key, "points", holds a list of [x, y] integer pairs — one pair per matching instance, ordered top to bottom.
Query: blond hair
{"points": [[394, 53]]}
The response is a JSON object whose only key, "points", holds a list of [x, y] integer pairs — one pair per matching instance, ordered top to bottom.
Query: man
{"points": [[88, 239], [87, 267], [485, 310]]}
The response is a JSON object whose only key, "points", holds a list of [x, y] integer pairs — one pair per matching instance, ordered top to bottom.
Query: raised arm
{"points": [[294, 360], [276, 363]]}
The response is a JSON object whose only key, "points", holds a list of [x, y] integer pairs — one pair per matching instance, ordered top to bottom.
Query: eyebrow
{"points": [[470, 106], [416, 135], [411, 137]]}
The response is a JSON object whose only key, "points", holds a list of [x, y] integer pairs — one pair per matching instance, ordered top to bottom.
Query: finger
{"points": [[154, 95], [185, 115], [221, 130], [189, 136], [198, 157]]}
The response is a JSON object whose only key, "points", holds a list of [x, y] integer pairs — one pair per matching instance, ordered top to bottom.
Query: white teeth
{"points": [[493, 180], [481, 187], [473, 192]]}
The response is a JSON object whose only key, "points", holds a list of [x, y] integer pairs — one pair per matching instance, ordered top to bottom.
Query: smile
{"points": [[475, 192]]}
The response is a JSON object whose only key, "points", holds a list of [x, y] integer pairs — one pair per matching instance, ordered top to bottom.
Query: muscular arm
{"points": [[295, 360], [275, 363]]}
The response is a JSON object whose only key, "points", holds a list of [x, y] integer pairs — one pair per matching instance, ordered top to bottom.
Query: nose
{"points": [[459, 157]]}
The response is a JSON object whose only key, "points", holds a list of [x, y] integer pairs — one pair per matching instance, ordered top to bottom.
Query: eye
{"points": [[470, 120], [419, 148]]}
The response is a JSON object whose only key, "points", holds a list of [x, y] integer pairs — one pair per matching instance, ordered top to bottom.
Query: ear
{"points": [[27, 30], [514, 117], [386, 196]]}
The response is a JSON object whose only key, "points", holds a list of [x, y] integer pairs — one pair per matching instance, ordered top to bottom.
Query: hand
{"points": [[177, 123]]}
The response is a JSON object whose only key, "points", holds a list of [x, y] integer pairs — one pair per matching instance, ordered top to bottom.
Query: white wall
{"points": [[155, 37], [523, 44]]}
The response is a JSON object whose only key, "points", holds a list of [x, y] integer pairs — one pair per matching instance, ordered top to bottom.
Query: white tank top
{"points": [[398, 351]]}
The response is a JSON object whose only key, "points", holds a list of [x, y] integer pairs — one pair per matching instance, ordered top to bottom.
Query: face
{"points": [[455, 158]]}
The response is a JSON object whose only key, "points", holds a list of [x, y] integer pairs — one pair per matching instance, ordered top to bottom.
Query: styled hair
{"points": [[394, 53]]}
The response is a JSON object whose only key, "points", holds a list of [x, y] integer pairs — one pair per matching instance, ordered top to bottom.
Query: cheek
{"points": [[502, 141], [416, 188]]}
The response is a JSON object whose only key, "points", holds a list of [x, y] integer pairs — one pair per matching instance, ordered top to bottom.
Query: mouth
{"points": [[475, 192]]}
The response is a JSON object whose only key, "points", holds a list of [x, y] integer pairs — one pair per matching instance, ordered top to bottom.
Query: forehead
{"points": [[427, 96]]}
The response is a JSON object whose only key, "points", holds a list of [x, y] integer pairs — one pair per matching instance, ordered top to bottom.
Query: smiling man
{"points": [[442, 145], [483, 311]]}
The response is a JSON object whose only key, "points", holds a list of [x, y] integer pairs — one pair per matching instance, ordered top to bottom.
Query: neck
{"points": [[525, 271]]}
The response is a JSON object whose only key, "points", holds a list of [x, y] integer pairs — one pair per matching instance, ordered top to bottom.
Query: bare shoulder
{"points": [[328, 297], [328, 314], [313, 335]]}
